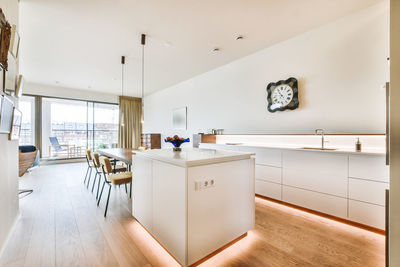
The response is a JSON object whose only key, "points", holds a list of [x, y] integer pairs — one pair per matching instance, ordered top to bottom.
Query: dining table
{"points": [[121, 154]]}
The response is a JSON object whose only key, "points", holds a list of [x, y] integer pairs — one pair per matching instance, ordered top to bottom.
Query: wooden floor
{"points": [[60, 225]]}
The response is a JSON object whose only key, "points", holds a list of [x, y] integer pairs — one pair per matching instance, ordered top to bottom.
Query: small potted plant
{"points": [[176, 141]]}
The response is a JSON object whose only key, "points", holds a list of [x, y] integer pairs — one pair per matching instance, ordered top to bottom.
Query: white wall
{"points": [[341, 68], [63, 92], [9, 202]]}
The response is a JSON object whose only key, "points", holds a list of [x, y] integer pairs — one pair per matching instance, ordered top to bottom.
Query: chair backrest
{"points": [[54, 143], [89, 154], [96, 159], [107, 164]]}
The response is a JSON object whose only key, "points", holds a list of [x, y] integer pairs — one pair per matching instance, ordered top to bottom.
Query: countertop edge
{"points": [[338, 151], [199, 162]]}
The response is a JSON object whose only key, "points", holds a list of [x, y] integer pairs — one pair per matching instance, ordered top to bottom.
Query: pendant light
{"points": [[143, 43], [122, 88]]}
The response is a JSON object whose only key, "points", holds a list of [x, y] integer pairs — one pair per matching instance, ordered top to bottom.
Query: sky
{"points": [[77, 113]]}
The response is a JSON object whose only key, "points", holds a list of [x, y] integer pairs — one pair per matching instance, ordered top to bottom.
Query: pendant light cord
{"points": [[143, 43], [142, 75], [122, 80], [122, 88]]}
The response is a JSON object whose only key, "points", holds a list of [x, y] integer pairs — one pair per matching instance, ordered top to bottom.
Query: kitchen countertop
{"points": [[344, 150], [189, 157]]}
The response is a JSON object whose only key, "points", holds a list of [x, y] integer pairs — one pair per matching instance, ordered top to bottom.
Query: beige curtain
{"points": [[130, 113]]}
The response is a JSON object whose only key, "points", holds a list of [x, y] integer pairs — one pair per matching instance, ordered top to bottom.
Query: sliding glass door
{"points": [[102, 125], [105, 125], [69, 127], [64, 128]]}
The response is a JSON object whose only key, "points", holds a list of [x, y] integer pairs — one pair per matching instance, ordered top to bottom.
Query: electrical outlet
{"points": [[203, 184]]}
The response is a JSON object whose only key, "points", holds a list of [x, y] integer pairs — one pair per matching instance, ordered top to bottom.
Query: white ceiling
{"points": [[78, 43]]}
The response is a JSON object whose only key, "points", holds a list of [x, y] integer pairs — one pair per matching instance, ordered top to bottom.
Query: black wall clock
{"points": [[283, 95]]}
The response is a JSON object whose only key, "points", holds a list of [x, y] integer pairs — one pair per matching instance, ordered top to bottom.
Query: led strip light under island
{"points": [[194, 202]]}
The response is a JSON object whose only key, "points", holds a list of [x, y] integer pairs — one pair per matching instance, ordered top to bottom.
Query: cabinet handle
{"points": [[387, 124]]}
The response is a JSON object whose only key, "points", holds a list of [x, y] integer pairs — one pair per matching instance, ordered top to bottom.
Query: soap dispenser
{"points": [[358, 145]]}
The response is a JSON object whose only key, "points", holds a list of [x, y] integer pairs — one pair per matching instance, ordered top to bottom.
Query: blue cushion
{"points": [[26, 149]]}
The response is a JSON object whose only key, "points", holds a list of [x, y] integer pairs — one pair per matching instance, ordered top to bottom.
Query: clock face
{"points": [[281, 96]]}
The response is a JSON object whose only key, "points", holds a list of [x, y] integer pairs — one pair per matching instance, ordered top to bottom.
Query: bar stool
{"points": [[99, 171], [111, 178]]}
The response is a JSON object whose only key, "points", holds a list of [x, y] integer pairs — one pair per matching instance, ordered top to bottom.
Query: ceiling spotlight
{"points": [[240, 37], [216, 49]]}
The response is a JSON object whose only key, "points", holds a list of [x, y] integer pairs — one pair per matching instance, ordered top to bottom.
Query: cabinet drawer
{"points": [[265, 156], [315, 161], [369, 167], [321, 172], [268, 173], [333, 182], [268, 189], [368, 191], [335, 206], [369, 214]]}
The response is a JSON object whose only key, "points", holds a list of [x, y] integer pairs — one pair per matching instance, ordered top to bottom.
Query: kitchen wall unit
{"points": [[348, 185]]}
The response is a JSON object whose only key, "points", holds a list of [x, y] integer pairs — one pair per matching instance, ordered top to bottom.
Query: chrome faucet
{"points": [[321, 131]]}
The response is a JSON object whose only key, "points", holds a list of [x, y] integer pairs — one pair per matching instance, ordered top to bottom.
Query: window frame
{"points": [[38, 121]]}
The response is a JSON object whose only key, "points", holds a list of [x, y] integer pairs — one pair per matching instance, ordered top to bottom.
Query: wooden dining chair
{"points": [[90, 164], [99, 171], [111, 178]]}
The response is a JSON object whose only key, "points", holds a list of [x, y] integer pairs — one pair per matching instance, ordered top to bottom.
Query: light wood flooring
{"points": [[61, 225]]}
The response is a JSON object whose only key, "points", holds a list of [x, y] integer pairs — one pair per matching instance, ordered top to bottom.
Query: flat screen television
{"points": [[6, 114]]}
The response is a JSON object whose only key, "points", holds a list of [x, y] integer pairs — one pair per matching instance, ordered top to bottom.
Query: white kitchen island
{"points": [[195, 201]]}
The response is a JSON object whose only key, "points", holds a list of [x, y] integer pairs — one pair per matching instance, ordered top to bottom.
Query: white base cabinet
{"points": [[346, 185], [268, 189], [333, 205], [373, 215]]}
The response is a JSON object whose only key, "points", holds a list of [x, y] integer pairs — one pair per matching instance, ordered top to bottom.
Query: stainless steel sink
{"points": [[318, 148]]}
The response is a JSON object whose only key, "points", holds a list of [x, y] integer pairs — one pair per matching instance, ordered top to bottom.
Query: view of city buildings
{"points": [[77, 125]]}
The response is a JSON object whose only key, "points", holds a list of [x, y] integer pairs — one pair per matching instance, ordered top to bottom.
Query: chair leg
{"points": [[87, 171], [90, 175], [94, 182], [98, 188], [126, 189], [130, 191], [101, 193], [108, 200]]}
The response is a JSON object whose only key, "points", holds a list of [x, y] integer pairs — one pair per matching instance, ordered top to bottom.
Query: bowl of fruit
{"points": [[176, 141]]}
